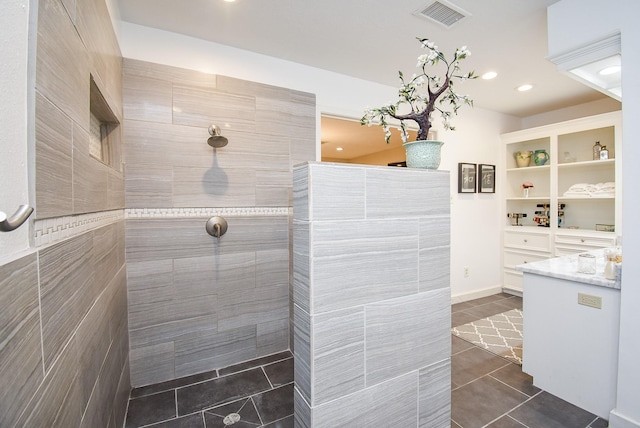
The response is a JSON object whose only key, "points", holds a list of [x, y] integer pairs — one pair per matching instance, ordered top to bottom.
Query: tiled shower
{"points": [[121, 277], [198, 303]]}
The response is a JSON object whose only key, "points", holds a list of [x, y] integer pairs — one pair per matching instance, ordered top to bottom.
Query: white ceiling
{"points": [[373, 39]]}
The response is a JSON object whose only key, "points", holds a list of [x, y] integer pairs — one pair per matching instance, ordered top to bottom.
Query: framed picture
{"points": [[466, 178], [486, 178]]}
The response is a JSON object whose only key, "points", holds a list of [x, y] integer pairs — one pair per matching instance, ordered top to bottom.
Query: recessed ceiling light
{"points": [[229, 1], [610, 70], [489, 75], [525, 87], [339, 149]]}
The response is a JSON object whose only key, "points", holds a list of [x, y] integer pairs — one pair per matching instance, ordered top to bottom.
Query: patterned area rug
{"points": [[500, 334]]}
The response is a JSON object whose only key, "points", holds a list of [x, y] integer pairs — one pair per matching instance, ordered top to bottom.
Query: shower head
{"points": [[216, 140]]}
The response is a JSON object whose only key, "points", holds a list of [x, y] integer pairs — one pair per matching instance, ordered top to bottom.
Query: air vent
{"points": [[442, 12]]}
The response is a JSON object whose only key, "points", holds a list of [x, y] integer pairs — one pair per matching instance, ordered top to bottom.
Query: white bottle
{"points": [[610, 268]]}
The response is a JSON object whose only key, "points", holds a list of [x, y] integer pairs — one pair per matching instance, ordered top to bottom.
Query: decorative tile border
{"points": [[135, 213], [49, 230]]}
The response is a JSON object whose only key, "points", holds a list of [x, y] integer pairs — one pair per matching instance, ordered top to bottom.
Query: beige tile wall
{"points": [[75, 41], [197, 303], [64, 316], [371, 318], [64, 353]]}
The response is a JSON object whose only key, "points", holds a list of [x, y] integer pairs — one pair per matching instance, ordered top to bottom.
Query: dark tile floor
{"points": [[486, 390], [489, 391], [255, 394]]}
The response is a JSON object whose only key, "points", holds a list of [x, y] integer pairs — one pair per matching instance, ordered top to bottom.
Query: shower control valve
{"points": [[216, 226]]}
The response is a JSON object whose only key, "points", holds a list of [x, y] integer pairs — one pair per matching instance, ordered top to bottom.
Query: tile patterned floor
{"points": [[486, 390]]}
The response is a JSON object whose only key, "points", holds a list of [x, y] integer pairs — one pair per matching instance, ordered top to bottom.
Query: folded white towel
{"points": [[586, 190]]}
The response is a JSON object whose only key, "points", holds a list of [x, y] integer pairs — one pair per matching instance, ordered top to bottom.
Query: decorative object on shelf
{"points": [[417, 100], [596, 150], [604, 153], [540, 157], [523, 158], [568, 158], [466, 178], [486, 178], [525, 187], [560, 214], [542, 215], [516, 217], [605, 227]]}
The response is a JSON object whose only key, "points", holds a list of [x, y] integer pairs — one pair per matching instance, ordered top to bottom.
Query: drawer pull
{"points": [[582, 240], [525, 241]]}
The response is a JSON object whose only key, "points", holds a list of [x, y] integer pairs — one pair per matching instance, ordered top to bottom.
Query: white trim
{"points": [[463, 297], [616, 420]]}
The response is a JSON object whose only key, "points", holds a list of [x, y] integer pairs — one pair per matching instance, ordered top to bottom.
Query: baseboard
{"points": [[512, 291], [476, 294], [616, 420]]}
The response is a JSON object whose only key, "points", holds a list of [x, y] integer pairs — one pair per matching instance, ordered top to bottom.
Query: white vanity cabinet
{"points": [[580, 195]]}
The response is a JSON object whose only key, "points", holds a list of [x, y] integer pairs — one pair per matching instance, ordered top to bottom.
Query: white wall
{"points": [[573, 23], [605, 105], [14, 182], [476, 228]]}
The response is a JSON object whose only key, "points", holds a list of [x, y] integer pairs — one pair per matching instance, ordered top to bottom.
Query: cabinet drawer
{"points": [[527, 240], [588, 242], [568, 251], [515, 258], [512, 280]]}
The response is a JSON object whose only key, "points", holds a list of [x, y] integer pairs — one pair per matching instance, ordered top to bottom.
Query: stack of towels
{"points": [[586, 190]]}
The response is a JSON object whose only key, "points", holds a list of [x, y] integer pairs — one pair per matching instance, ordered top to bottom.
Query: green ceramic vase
{"points": [[423, 154]]}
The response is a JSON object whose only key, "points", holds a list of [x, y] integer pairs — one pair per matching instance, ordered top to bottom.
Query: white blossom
{"points": [[416, 102]]}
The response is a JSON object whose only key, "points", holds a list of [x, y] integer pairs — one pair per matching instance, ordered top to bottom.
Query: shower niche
{"points": [[104, 140]]}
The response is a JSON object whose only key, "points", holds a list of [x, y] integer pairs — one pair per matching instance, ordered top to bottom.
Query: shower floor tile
{"points": [[487, 390], [255, 394]]}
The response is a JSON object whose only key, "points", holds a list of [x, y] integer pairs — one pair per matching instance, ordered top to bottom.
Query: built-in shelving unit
{"points": [[580, 195]]}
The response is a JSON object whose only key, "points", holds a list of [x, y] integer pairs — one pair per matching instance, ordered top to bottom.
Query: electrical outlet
{"points": [[466, 271], [589, 300]]}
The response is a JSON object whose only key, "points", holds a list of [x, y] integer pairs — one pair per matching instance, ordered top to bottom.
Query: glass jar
{"points": [[596, 150], [604, 153], [587, 263]]}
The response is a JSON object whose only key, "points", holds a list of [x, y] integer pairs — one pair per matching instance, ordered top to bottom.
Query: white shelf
{"points": [[575, 139], [590, 163], [530, 168], [530, 198], [585, 198]]}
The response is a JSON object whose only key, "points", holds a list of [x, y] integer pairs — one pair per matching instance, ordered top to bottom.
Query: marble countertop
{"points": [[566, 267]]}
